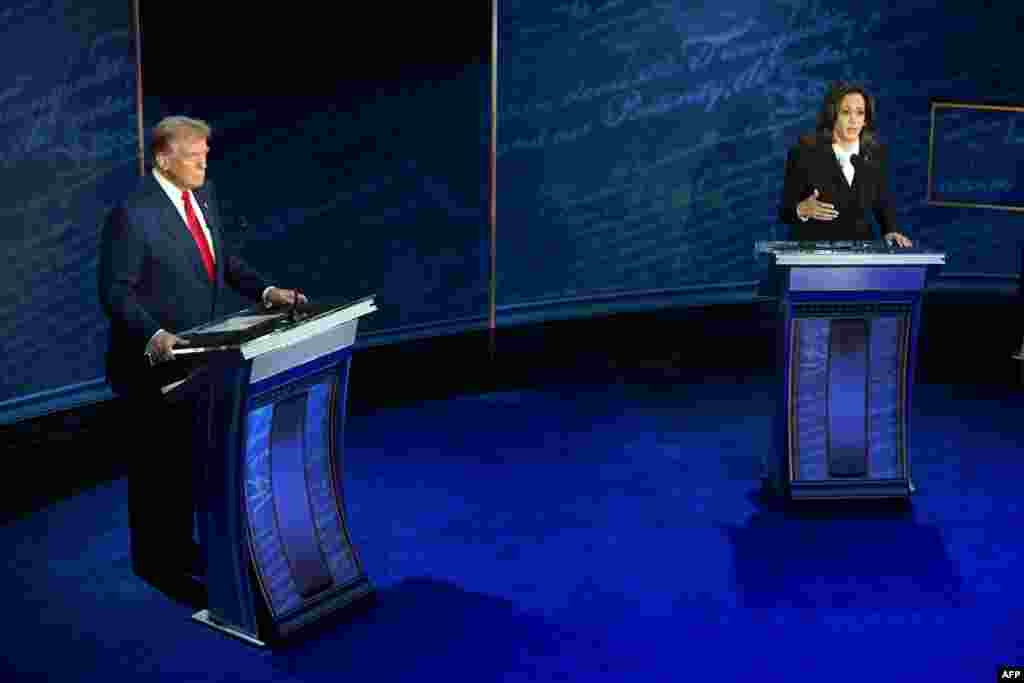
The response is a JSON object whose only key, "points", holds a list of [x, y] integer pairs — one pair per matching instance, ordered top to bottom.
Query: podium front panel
{"points": [[857, 279], [846, 389], [846, 416], [300, 546]]}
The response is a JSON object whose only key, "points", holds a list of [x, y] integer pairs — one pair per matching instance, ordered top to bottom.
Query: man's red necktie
{"points": [[197, 234]]}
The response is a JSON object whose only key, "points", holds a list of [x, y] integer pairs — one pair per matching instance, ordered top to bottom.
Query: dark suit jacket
{"points": [[813, 164], [151, 276]]}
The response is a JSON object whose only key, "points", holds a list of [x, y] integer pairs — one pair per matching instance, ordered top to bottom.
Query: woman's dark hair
{"points": [[830, 112]]}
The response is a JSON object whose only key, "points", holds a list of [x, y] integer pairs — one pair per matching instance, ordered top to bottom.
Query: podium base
{"points": [[865, 488], [203, 616]]}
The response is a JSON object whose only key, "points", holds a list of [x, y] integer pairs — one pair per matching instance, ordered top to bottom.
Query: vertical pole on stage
{"points": [[137, 27], [492, 209]]}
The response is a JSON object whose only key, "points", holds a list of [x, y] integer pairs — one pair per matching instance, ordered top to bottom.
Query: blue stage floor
{"points": [[592, 531]]}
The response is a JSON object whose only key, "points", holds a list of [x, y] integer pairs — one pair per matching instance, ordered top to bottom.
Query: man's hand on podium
{"points": [[285, 297], [161, 346]]}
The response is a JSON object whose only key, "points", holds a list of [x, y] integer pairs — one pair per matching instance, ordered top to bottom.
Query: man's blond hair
{"points": [[173, 128]]}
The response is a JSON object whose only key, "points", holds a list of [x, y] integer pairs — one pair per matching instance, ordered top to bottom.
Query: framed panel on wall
{"points": [[976, 152]]}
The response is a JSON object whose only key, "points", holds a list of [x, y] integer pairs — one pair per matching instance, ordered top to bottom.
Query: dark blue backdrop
{"points": [[68, 126], [642, 143], [377, 190]]}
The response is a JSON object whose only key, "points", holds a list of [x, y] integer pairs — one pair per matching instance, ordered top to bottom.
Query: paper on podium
{"points": [[242, 322]]}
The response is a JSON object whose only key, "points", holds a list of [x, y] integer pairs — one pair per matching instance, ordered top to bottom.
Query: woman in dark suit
{"points": [[838, 172]]}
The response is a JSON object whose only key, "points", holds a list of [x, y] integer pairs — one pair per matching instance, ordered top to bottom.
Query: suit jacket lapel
{"points": [[863, 181], [173, 224], [211, 224]]}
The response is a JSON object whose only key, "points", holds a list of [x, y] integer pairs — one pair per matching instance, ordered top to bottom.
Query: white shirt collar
{"points": [[844, 153], [170, 188], [174, 193]]}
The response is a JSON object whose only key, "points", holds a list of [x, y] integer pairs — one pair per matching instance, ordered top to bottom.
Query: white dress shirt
{"points": [[844, 159]]}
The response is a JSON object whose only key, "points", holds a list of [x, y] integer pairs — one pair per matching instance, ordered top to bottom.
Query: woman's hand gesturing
{"points": [[812, 208]]}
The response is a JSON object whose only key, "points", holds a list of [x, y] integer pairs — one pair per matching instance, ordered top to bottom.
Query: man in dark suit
{"points": [[837, 173], [163, 268]]}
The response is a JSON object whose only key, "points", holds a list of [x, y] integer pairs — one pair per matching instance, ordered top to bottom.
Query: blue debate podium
{"points": [[849, 315], [272, 388]]}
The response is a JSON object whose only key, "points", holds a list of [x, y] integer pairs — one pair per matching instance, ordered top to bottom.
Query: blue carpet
{"points": [[591, 530]]}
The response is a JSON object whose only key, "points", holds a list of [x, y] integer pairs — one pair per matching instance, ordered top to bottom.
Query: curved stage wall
{"points": [[641, 147]]}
